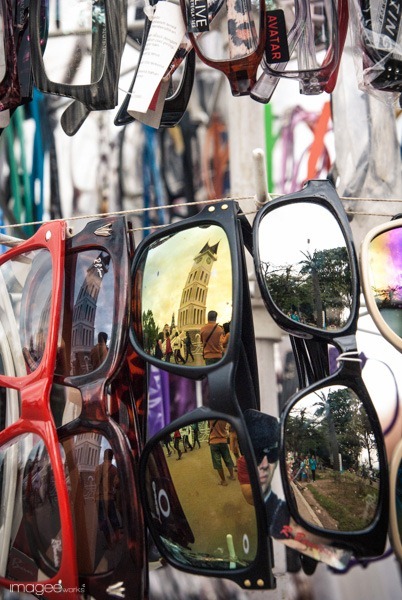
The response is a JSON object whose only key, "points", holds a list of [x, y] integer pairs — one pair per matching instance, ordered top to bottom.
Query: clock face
{"points": [[198, 260], [208, 260]]}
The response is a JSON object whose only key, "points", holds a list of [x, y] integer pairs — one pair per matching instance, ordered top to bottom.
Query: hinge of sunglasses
{"points": [[260, 177], [11, 242], [352, 356]]}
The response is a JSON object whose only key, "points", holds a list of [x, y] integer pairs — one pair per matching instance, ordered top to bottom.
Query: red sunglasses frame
{"points": [[36, 417]]}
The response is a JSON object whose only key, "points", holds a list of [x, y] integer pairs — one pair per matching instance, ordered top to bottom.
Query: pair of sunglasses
{"points": [[200, 261], [380, 268], [316, 276], [34, 489]]}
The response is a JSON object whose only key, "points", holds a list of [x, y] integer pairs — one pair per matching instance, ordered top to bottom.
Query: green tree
{"points": [[150, 331]]}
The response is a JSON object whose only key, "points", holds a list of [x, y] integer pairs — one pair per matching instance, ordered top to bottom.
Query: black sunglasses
{"points": [[311, 288]]}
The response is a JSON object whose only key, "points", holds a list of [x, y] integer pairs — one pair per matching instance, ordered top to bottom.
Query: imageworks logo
{"points": [[39, 589]]}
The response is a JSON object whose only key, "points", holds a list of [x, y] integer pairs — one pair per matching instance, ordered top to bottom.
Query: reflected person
{"points": [[211, 339], [99, 351], [219, 448], [107, 487]]}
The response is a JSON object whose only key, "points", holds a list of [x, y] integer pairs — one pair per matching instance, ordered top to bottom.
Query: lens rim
{"points": [[241, 72], [10, 93], [323, 193], [222, 214], [34, 390], [371, 540], [259, 574]]}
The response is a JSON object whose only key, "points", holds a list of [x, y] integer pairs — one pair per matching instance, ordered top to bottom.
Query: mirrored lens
{"points": [[230, 29], [77, 59], [385, 268], [307, 274], [26, 282], [185, 285], [88, 313], [332, 459], [96, 501], [196, 502], [29, 515]]}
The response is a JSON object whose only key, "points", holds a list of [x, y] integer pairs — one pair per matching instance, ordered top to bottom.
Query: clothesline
{"points": [[134, 211]]}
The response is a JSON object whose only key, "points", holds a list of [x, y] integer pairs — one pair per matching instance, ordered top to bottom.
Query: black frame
{"points": [[102, 93], [320, 192], [222, 214], [370, 541], [259, 574]]}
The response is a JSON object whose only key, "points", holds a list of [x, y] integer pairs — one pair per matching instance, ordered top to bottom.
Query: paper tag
{"points": [[166, 32], [154, 113]]}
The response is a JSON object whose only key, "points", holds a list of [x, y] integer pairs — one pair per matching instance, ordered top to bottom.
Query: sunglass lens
{"points": [[385, 267], [26, 282], [96, 501], [29, 515]]}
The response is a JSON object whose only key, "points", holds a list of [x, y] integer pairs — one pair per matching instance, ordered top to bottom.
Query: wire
{"points": [[199, 203]]}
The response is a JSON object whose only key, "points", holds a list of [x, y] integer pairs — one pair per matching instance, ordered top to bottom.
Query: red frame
{"points": [[35, 414]]}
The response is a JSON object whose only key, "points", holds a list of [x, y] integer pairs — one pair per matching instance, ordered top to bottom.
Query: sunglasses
{"points": [[239, 32], [311, 289], [99, 458], [38, 537]]}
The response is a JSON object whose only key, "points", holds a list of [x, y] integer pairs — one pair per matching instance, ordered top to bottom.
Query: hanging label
{"points": [[197, 16], [165, 34], [276, 44], [154, 113]]}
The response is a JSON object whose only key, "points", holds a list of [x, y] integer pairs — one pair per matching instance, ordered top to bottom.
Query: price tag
{"points": [[165, 35]]}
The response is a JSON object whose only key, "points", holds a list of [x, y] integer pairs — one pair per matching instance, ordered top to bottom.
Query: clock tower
{"points": [[191, 315]]}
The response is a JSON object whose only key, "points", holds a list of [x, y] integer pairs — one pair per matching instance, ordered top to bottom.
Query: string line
{"points": [[142, 210]]}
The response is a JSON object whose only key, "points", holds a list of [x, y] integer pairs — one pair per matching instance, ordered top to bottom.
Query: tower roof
{"points": [[207, 247]]}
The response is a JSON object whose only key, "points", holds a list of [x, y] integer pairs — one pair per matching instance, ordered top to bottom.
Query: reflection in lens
{"points": [[307, 276], [385, 276], [186, 296], [25, 307], [88, 313], [332, 459], [96, 502], [29, 515], [196, 517]]}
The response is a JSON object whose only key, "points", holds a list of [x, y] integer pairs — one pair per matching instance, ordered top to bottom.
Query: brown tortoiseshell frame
{"points": [[241, 72], [10, 95], [108, 235]]}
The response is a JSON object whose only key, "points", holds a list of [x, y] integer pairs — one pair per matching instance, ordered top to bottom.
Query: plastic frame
{"points": [[241, 72], [100, 94], [10, 95], [324, 194], [222, 214], [109, 235], [35, 416], [370, 541], [259, 574]]}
